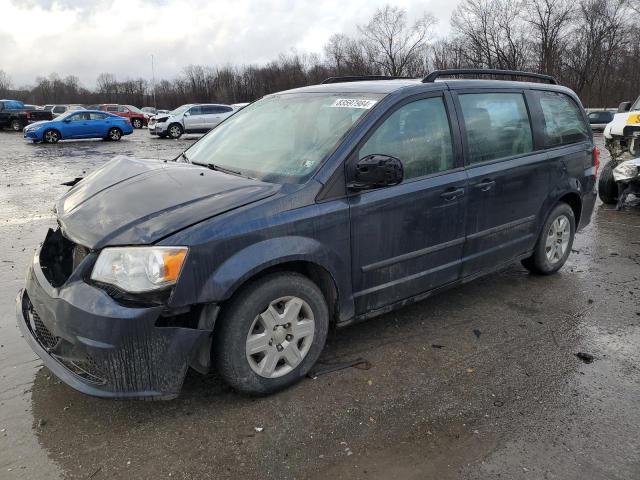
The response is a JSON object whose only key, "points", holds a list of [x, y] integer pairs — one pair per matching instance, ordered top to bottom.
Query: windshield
{"points": [[635, 106], [134, 109], [181, 109], [282, 138]]}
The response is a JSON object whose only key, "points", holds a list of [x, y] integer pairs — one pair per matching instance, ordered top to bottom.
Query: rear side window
{"points": [[112, 108], [59, 109], [97, 116], [564, 123], [497, 125], [418, 135]]}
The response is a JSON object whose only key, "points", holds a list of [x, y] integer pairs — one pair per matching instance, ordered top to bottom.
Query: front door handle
{"points": [[486, 185], [452, 194]]}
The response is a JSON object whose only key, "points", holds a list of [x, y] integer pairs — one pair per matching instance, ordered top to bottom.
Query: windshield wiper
{"points": [[218, 168]]}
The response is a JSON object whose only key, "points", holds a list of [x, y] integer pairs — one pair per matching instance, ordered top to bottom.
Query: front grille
{"points": [[59, 257], [42, 334], [79, 363], [86, 369]]}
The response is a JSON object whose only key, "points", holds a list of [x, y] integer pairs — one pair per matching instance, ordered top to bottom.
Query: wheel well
{"points": [[573, 200], [317, 274]]}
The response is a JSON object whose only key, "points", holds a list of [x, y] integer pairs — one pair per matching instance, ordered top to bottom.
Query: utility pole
{"points": [[153, 82]]}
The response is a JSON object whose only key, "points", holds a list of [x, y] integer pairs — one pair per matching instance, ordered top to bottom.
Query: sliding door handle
{"points": [[486, 185], [452, 194]]}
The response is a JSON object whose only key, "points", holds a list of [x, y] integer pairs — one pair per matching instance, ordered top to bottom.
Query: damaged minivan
{"points": [[308, 209]]}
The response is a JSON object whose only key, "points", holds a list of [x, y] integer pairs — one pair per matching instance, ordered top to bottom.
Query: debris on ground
{"points": [[477, 333], [435, 345], [585, 357], [360, 363], [258, 429]]}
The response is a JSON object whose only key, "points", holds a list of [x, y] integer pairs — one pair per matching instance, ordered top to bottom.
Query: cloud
{"points": [[87, 37]]}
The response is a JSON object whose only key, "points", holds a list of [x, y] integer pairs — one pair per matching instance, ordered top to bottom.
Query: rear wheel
{"points": [[136, 122], [16, 125], [175, 131], [114, 134], [51, 136], [607, 187], [554, 243], [271, 333]]}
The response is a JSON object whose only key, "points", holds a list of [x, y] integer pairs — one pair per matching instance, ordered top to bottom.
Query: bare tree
{"points": [[551, 24], [493, 33], [394, 45], [5, 83]]}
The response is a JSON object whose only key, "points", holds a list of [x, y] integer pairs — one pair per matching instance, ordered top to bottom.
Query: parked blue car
{"points": [[79, 124]]}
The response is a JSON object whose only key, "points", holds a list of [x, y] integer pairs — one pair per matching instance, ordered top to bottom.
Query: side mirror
{"points": [[624, 107], [186, 114], [67, 120], [375, 171]]}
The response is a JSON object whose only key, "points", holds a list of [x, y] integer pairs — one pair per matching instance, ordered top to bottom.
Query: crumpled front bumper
{"points": [[102, 348]]}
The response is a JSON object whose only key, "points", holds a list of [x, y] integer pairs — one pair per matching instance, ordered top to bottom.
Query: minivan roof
{"points": [[390, 86]]}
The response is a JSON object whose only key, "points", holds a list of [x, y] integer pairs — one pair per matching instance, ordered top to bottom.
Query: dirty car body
{"points": [[369, 246]]}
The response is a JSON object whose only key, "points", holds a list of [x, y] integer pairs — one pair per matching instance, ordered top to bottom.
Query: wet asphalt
{"points": [[480, 382]]}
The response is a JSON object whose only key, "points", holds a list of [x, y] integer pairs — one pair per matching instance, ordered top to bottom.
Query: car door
{"points": [[210, 116], [193, 119], [76, 125], [98, 125], [508, 180], [408, 238]]}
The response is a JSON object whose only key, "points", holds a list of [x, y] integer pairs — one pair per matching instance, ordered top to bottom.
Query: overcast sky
{"points": [[87, 37]]}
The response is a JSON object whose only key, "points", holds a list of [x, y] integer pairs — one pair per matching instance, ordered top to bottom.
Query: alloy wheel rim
{"points": [[175, 131], [115, 135], [51, 136], [557, 241], [280, 337]]}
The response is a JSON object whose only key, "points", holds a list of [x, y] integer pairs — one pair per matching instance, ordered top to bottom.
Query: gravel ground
{"points": [[480, 382]]}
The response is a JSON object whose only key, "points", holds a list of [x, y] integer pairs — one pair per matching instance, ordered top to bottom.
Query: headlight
{"points": [[139, 269]]}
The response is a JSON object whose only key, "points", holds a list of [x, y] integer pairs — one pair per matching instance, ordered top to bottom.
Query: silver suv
{"points": [[190, 118]]}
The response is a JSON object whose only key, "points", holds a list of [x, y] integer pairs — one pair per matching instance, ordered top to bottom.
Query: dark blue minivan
{"points": [[309, 208]]}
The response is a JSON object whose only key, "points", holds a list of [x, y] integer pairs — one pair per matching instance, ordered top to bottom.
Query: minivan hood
{"points": [[136, 201]]}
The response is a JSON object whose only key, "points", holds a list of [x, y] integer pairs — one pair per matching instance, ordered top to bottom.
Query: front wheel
{"points": [[137, 123], [16, 125], [175, 131], [114, 134], [51, 136], [607, 187], [554, 243], [271, 333]]}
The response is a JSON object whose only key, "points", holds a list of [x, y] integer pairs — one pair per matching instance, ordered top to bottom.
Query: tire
{"points": [[136, 122], [16, 125], [175, 131], [114, 134], [51, 136], [607, 187], [554, 243], [273, 366]]}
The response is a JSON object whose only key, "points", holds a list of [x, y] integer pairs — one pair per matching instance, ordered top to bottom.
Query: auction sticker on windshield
{"points": [[354, 103]]}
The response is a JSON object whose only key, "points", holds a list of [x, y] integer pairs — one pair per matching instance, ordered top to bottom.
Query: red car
{"points": [[137, 117]]}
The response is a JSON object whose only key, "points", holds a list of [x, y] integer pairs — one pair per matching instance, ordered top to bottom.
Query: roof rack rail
{"points": [[481, 71], [358, 78]]}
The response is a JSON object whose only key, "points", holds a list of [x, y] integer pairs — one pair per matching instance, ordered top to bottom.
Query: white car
{"points": [[190, 118]]}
